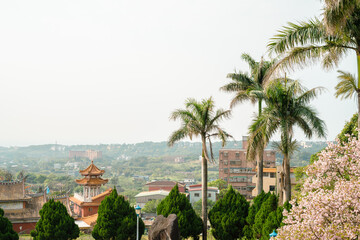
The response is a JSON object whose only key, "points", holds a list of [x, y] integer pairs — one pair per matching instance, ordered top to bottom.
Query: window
{"points": [[226, 154], [237, 155], [232, 162], [226, 170], [266, 174], [272, 175], [271, 188], [197, 194], [209, 195], [90, 209]]}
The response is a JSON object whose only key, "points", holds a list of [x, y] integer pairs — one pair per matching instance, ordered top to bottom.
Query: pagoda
{"points": [[91, 181], [87, 202]]}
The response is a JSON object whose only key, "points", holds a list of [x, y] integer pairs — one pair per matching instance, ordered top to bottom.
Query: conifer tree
{"points": [[253, 210], [228, 216], [117, 219], [55, 223], [190, 223], [6, 230]]}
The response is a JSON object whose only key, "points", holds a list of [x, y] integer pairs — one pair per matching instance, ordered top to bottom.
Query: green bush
{"points": [[228, 216], [117, 219], [55, 223], [190, 224], [6, 230]]}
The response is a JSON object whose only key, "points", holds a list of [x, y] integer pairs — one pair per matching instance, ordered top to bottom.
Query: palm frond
{"points": [[293, 35], [249, 60], [347, 85]]}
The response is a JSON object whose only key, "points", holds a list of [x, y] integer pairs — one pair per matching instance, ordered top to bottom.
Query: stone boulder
{"points": [[165, 228]]}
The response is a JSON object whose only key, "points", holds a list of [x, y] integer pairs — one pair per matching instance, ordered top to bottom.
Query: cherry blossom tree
{"points": [[329, 203]]}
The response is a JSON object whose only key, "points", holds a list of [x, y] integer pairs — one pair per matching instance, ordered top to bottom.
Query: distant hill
{"points": [[187, 150]]}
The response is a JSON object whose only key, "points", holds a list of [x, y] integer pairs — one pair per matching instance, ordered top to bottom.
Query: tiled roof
{"points": [[91, 170], [91, 181], [164, 182], [106, 193], [81, 203], [90, 220]]}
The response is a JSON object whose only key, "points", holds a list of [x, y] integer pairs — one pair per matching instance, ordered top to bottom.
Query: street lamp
{"points": [[138, 214], [273, 234]]}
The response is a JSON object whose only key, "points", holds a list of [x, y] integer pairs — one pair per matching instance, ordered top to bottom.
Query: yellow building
{"points": [[272, 180]]}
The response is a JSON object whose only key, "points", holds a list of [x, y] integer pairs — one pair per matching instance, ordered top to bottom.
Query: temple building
{"points": [[87, 203], [21, 208]]}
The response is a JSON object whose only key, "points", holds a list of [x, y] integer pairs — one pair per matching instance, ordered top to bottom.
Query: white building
{"points": [[195, 193]]}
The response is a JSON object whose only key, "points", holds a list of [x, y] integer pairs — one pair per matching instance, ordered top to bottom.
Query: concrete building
{"points": [[90, 154], [237, 171], [272, 180], [195, 193]]}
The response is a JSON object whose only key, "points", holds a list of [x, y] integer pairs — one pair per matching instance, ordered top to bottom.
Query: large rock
{"points": [[165, 228]]}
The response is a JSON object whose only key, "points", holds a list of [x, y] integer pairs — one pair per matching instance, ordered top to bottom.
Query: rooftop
{"points": [[91, 170], [91, 181], [165, 182], [151, 193]]}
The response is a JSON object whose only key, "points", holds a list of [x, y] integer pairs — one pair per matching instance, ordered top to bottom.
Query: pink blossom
{"points": [[329, 203]]}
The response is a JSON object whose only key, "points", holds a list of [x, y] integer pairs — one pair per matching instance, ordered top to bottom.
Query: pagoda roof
{"points": [[91, 170], [91, 181]]}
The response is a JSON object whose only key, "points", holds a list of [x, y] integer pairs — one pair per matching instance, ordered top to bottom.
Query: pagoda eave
{"points": [[91, 181]]}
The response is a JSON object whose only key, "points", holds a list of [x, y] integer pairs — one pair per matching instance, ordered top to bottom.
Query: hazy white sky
{"points": [[89, 72]]}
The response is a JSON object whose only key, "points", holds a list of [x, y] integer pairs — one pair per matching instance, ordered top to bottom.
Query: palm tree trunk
{"points": [[286, 161], [260, 163], [260, 167], [204, 174], [287, 195]]}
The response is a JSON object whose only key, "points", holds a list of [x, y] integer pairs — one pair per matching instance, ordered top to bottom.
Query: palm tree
{"points": [[327, 40], [245, 86], [347, 87], [287, 106], [200, 119]]}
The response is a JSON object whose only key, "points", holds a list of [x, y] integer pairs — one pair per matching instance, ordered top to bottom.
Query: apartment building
{"points": [[237, 171]]}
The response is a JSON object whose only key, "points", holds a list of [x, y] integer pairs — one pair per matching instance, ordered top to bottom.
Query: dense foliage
{"points": [[349, 130], [329, 203], [150, 206], [198, 208], [228, 216], [264, 216], [117, 219], [55, 223], [190, 224], [6, 230]]}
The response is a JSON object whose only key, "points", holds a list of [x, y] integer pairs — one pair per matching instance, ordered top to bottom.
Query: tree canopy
{"points": [[329, 202], [228, 216], [117, 219], [55, 223], [190, 224], [6, 229]]}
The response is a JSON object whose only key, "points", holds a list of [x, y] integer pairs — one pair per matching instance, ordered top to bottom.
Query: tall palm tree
{"points": [[328, 39], [245, 86], [287, 106], [200, 119]]}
